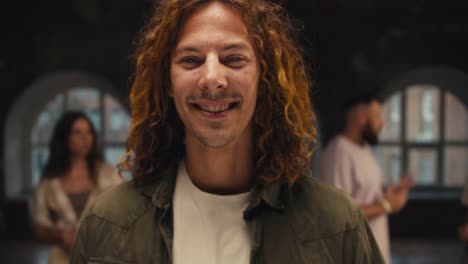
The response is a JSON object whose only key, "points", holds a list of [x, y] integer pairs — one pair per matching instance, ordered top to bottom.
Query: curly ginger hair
{"points": [[283, 119]]}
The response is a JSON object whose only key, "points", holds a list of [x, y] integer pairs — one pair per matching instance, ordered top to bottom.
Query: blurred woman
{"points": [[73, 176]]}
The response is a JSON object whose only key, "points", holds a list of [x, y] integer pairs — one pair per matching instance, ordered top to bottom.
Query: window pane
{"points": [[88, 101], [423, 113], [391, 115], [456, 118], [117, 120], [45, 123], [113, 154], [39, 156], [389, 159], [423, 166], [455, 166]]}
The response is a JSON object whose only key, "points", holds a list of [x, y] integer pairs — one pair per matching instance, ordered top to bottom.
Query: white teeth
{"points": [[215, 108]]}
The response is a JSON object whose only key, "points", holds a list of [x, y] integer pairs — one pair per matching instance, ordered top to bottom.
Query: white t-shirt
{"points": [[354, 169], [208, 228]]}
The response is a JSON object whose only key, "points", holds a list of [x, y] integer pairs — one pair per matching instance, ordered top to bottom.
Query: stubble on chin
{"points": [[211, 142]]}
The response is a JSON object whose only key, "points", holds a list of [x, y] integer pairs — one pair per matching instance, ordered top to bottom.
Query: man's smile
{"points": [[216, 107]]}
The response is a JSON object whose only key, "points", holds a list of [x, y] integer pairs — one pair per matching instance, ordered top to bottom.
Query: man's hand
{"points": [[405, 183], [397, 197], [463, 232], [68, 239]]}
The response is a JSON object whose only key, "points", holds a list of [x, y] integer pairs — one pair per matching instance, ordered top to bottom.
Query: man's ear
{"points": [[362, 116]]}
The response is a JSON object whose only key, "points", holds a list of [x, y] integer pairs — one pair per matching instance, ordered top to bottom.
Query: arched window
{"points": [[33, 116], [109, 118], [425, 134]]}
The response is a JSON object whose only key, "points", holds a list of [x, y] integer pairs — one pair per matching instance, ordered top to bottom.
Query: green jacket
{"points": [[308, 223]]}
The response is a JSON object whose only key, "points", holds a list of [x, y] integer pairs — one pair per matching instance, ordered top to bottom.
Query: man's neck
{"points": [[354, 136], [225, 171]]}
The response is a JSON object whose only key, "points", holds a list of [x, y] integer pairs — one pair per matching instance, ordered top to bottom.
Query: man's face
{"points": [[214, 76], [373, 125]]}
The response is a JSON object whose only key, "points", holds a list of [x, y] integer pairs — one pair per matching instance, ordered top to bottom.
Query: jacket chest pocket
{"points": [[315, 252]]}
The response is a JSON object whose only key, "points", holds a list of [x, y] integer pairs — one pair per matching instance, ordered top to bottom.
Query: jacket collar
{"points": [[161, 189], [270, 194]]}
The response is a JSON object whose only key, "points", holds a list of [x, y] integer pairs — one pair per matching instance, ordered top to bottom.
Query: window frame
{"points": [[446, 80], [102, 133], [18, 145]]}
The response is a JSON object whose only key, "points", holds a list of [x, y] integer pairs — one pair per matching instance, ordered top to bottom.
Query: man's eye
{"points": [[235, 61], [189, 62]]}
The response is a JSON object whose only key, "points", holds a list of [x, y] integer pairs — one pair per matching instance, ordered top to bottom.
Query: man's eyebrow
{"points": [[237, 45], [231, 46], [185, 49]]}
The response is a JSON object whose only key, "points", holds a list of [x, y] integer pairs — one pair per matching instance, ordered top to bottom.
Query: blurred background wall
{"points": [[57, 55]]}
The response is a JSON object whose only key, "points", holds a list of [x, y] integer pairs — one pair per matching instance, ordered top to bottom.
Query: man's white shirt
{"points": [[208, 228]]}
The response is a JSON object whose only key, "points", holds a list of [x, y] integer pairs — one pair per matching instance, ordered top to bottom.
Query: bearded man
{"points": [[349, 164]]}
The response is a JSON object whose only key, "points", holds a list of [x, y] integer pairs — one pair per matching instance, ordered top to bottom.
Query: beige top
{"points": [[49, 195]]}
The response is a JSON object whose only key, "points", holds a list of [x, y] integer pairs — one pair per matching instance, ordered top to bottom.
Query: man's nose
{"points": [[213, 75]]}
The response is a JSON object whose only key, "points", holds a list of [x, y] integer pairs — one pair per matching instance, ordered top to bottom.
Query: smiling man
{"points": [[220, 141]]}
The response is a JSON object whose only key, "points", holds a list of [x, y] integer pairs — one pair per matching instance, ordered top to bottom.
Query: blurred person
{"points": [[221, 135], [348, 163], [73, 176]]}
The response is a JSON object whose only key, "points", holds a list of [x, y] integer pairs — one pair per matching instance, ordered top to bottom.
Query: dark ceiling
{"points": [[350, 44]]}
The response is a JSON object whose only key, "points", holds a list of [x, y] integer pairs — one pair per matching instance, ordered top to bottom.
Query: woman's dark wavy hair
{"points": [[283, 119], [59, 152]]}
